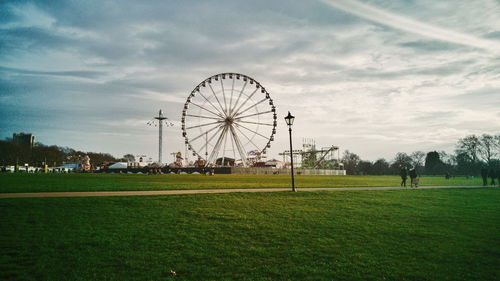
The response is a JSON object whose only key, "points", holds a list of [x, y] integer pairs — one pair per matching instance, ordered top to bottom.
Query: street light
{"points": [[289, 121]]}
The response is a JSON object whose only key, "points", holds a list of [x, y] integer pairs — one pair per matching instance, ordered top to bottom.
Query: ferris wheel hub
{"points": [[229, 121]]}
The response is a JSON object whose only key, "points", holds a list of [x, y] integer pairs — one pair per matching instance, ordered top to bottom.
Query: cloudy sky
{"points": [[374, 77]]}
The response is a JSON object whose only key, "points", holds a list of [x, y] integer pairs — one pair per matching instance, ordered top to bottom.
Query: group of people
{"points": [[492, 174], [414, 180]]}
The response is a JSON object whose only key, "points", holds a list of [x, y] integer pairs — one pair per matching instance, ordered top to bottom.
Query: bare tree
{"points": [[497, 143], [469, 146], [487, 148], [129, 157], [417, 158], [448, 159], [401, 160], [351, 162], [381, 167]]}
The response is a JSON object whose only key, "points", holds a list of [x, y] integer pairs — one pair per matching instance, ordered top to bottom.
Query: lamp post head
{"points": [[289, 119]]}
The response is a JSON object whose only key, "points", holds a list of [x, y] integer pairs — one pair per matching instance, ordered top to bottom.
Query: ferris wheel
{"points": [[227, 116]]}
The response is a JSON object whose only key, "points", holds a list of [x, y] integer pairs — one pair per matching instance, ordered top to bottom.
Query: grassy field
{"points": [[21, 182], [448, 234]]}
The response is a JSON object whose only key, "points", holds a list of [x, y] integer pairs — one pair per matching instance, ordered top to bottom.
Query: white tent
{"points": [[118, 165]]}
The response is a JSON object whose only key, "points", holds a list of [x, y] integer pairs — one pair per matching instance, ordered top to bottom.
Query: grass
{"points": [[20, 182], [447, 234]]}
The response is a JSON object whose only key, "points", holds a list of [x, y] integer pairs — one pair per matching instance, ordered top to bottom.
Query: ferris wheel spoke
{"points": [[213, 92], [223, 95], [239, 96], [231, 99], [246, 100], [250, 107], [207, 110], [259, 113], [221, 114], [200, 116], [255, 123], [203, 125], [220, 130], [206, 132], [255, 132], [248, 138], [232, 145], [205, 146], [239, 146], [224, 149], [215, 151]]}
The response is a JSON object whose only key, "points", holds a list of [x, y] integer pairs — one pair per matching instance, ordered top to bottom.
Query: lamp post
{"points": [[289, 121]]}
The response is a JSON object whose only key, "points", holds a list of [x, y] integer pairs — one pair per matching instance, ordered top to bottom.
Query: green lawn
{"points": [[21, 182], [447, 234]]}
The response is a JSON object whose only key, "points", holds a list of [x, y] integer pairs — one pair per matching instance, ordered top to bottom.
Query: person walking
{"points": [[404, 175], [484, 175], [492, 176], [498, 176], [413, 177]]}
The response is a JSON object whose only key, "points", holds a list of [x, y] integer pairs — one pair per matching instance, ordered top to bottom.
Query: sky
{"points": [[374, 77]]}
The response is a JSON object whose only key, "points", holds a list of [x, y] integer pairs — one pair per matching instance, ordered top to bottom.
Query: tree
{"points": [[469, 146], [487, 149], [467, 151], [9, 153], [50, 155], [129, 157], [97, 159], [417, 159], [401, 160], [351, 162], [433, 164], [464, 164], [365, 167], [381, 167]]}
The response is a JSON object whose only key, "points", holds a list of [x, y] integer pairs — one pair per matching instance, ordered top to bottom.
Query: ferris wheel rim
{"points": [[223, 120]]}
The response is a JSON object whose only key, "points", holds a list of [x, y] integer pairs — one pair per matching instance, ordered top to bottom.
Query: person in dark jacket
{"points": [[404, 175], [484, 175], [492, 176], [498, 177]]}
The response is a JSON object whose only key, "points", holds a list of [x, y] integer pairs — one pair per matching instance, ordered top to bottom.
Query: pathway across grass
{"points": [[202, 191]]}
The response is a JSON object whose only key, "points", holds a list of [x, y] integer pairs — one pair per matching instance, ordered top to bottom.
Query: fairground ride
{"points": [[225, 117], [311, 157]]}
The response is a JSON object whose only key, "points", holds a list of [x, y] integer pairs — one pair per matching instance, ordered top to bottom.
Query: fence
{"points": [[284, 171]]}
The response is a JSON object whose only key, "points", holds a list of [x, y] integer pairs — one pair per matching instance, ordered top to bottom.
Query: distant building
{"points": [[23, 139]]}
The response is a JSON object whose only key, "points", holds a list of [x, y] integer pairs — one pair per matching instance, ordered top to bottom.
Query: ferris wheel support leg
{"points": [[224, 149], [241, 150], [215, 152]]}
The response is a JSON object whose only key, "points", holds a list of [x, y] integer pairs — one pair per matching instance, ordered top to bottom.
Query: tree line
{"points": [[12, 153], [472, 153]]}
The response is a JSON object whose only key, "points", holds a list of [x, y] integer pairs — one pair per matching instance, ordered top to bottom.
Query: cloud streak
{"points": [[410, 25]]}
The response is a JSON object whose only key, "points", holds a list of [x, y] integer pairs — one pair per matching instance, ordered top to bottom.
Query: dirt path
{"points": [[201, 191]]}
